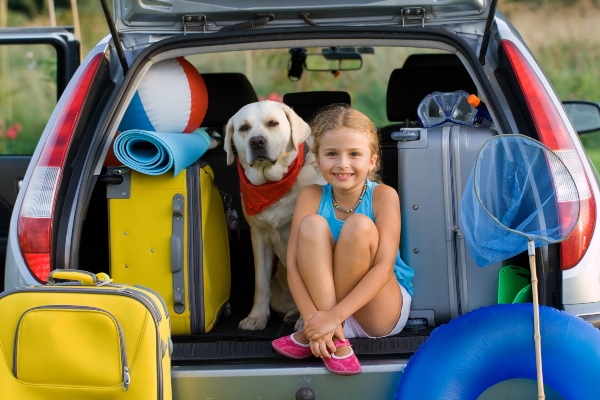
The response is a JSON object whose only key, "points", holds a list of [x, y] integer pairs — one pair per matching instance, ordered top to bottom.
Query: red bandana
{"points": [[258, 198]]}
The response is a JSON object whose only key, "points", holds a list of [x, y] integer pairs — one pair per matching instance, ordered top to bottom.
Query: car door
{"points": [[35, 66]]}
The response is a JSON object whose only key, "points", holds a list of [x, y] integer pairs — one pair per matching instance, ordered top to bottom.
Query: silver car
{"points": [[387, 56]]}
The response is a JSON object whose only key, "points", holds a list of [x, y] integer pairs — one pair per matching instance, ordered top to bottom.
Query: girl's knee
{"points": [[313, 226], [358, 226]]}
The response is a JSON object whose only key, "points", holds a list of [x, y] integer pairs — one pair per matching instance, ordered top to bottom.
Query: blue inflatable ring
{"points": [[462, 359]]}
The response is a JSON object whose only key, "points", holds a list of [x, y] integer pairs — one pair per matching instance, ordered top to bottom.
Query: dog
{"points": [[271, 140]]}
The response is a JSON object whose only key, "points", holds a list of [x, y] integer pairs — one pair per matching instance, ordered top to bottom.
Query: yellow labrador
{"points": [[269, 139]]}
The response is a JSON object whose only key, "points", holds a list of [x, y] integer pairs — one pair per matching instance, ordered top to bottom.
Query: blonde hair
{"points": [[341, 115]]}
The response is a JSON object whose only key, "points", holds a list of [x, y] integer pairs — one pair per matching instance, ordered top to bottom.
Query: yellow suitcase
{"points": [[169, 234], [87, 339]]}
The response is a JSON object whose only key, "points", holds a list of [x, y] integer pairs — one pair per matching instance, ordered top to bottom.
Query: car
{"points": [[387, 56]]}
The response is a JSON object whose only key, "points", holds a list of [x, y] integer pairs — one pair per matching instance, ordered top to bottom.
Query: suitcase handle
{"points": [[177, 253], [85, 277]]}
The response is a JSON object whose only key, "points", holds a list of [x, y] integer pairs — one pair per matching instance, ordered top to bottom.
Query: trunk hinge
{"points": [[412, 14], [189, 21], [488, 31], [115, 37]]}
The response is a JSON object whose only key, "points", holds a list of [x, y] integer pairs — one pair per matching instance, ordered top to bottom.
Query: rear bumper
{"points": [[589, 312], [379, 380]]}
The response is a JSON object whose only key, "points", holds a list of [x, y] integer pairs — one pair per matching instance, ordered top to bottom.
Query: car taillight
{"points": [[553, 133], [35, 217]]}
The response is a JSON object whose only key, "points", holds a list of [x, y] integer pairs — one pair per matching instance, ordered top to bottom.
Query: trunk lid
{"points": [[175, 16]]}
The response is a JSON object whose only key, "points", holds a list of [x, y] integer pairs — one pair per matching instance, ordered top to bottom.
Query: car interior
{"points": [[412, 76]]}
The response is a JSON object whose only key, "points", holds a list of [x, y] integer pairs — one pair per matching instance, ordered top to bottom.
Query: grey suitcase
{"points": [[447, 281]]}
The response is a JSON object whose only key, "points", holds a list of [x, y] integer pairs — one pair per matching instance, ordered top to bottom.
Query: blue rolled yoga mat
{"points": [[154, 153]]}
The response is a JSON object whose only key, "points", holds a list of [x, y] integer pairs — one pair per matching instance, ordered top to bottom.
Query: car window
{"points": [[267, 70], [28, 95]]}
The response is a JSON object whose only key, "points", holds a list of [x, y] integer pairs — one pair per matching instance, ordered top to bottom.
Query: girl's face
{"points": [[345, 157]]}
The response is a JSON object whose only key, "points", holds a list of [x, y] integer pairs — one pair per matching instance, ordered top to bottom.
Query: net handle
{"points": [[537, 337]]}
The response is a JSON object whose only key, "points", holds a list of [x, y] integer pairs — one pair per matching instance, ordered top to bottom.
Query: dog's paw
{"points": [[291, 317], [253, 324], [299, 325]]}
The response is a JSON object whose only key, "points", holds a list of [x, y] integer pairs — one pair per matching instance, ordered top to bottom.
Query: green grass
{"points": [[563, 36], [565, 39], [572, 68], [27, 95], [591, 143]]}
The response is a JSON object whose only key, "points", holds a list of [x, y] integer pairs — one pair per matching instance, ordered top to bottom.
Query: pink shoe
{"points": [[290, 347], [345, 365]]}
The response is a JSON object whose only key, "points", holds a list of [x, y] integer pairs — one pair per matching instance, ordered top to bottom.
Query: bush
{"points": [[31, 8]]}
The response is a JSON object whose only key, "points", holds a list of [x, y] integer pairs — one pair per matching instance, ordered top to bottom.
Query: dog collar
{"points": [[257, 198]]}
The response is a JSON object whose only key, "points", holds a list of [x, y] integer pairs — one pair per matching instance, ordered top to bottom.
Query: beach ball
{"points": [[172, 97]]}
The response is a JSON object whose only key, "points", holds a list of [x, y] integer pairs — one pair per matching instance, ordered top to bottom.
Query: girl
{"points": [[344, 267]]}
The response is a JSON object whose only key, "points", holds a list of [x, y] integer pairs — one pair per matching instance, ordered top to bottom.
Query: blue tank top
{"points": [[403, 272]]}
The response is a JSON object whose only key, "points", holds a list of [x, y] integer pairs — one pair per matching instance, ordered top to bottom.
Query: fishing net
{"points": [[519, 191], [520, 196]]}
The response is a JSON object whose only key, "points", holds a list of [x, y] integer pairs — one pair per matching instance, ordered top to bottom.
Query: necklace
{"points": [[336, 206]]}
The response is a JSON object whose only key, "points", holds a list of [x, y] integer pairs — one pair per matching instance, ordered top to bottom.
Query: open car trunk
{"points": [[407, 67], [225, 342]]}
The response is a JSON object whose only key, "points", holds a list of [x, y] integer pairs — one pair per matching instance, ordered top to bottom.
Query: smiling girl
{"points": [[344, 267]]}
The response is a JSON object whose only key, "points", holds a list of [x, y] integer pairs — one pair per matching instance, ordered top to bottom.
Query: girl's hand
{"points": [[319, 324], [339, 333], [323, 346]]}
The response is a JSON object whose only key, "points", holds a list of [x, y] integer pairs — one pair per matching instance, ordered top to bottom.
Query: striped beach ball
{"points": [[172, 97]]}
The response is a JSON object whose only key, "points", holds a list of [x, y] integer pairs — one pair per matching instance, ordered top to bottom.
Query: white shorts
{"points": [[353, 329]]}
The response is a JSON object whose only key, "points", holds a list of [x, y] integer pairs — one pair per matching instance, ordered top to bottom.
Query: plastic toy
{"points": [[171, 98], [494, 344]]}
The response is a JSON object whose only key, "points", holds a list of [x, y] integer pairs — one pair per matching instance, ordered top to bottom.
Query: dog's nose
{"points": [[258, 142]]}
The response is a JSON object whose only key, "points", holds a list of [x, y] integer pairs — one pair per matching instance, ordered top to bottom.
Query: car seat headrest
{"points": [[432, 60], [408, 86], [227, 93], [307, 104]]}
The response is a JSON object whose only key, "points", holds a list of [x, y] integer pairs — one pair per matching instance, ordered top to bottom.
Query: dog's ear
{"points": [[300, 129], [228, 139]]}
